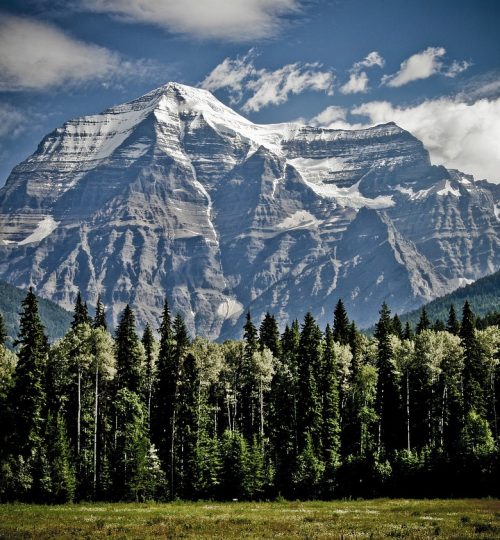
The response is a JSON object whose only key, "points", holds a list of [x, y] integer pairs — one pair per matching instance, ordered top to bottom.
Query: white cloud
{"points": [[234, 20], [36, 55], [423, 65], [240, 77], [358, 79], [357, 83], [329, 115], [13, 121], [457, 134]]}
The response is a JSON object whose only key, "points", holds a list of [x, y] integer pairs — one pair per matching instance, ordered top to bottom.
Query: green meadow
{"points": [[381, 518]]}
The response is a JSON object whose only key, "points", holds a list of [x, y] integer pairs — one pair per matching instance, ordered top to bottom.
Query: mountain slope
{"points": [[174, 193], [483, 296], [55, 319]]}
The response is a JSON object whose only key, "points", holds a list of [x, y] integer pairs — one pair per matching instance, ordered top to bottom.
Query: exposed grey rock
{"points": [[175, 193]]}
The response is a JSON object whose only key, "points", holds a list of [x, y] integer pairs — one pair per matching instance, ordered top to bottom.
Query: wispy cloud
{"points": [[234, 20], [36, 55], [423, 65], [358, 79], [262, 87], [13, 121], [456, 133]]}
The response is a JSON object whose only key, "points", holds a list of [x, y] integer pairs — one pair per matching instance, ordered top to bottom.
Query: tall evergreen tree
{"points": [[80, 313], [100, 315], [424, 323], [453, 324], [341, 325], [397, 327], [3, 332], [407, 334], [269, 335], [148, 342], [128, 353], [475, 372], [308, 394], [28, 396], [388, 404], [248, 405], [330, 414]]}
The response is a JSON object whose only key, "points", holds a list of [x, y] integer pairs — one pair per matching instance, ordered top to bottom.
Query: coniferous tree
{"points": [[80, 313], [100, 315], [423, 323], [341, 325], [453, 325], [439, 326], [397, 327], [3, 332], [407, 334], [269, 335], [148, 343], [129, 355], [475, 373], [164, 392], [308, 396], [28, 397], [388, 404], [248, 406], [330, 442]]}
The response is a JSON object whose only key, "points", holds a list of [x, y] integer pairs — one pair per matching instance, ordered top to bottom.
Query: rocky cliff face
{"points": [[174, 193]]}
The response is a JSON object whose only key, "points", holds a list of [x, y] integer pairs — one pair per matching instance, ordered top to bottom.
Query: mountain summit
{"points": [[175, 193]]}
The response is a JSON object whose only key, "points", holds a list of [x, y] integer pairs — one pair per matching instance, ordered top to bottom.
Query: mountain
{"points": [[174, 193], [483, 296], [55, 319]]}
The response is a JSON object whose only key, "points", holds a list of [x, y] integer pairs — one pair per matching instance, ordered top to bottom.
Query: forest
{"points": [[302, 414]]}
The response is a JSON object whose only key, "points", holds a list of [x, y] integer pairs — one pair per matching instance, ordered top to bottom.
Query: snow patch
{"points": [[448, 190], [496, 209], [298, 220], [44, 228]]}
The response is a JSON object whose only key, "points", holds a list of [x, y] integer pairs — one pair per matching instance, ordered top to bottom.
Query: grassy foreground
{"points": [[382, 518]]}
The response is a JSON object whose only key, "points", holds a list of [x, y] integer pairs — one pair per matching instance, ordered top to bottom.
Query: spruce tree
{"points": [[80, 313], [100, 315], [423, 323], [453, 324], [341, 326], [438, 326], [397, 327], [3, 332], [269, 334], [408, 334], [148, 342], [128, 353], [475, 372], [164, 391], [308, 394], [28, 397], [388, 403], [248, 406], [330, 442]]}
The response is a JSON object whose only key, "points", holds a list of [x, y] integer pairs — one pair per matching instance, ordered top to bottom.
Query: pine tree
{"points": [[80, 313], [100, 315], [423, 323], [453, 325], [341, 326], [438, 326], [397, 327], [269, 334], [407, 334], [148, 342], [128, 353], [475, 373], [164, 392], [28, 396], [308, 398], [388, 404], [248, 405], [330, 442]]}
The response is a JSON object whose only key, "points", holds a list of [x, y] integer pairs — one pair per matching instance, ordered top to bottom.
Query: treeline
{"points": [[302, 414]]}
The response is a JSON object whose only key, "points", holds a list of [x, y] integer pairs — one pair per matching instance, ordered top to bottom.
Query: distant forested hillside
{"points": [[483, 296], [55, 319]]}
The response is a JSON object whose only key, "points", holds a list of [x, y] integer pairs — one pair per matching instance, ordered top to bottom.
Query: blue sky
{"points": [[432, 66]]}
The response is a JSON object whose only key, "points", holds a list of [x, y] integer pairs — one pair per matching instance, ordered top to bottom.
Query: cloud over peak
{"points": [[234, 20], [358, 79], [262, 87]]}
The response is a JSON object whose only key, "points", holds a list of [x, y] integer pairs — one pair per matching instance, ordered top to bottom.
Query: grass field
{"points": [[382, 518]]}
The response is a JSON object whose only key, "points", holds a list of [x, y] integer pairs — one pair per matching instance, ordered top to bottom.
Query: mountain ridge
{"points": [[175, 194]]}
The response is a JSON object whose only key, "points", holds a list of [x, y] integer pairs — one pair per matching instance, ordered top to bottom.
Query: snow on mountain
{"points": [[175, 193]]}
